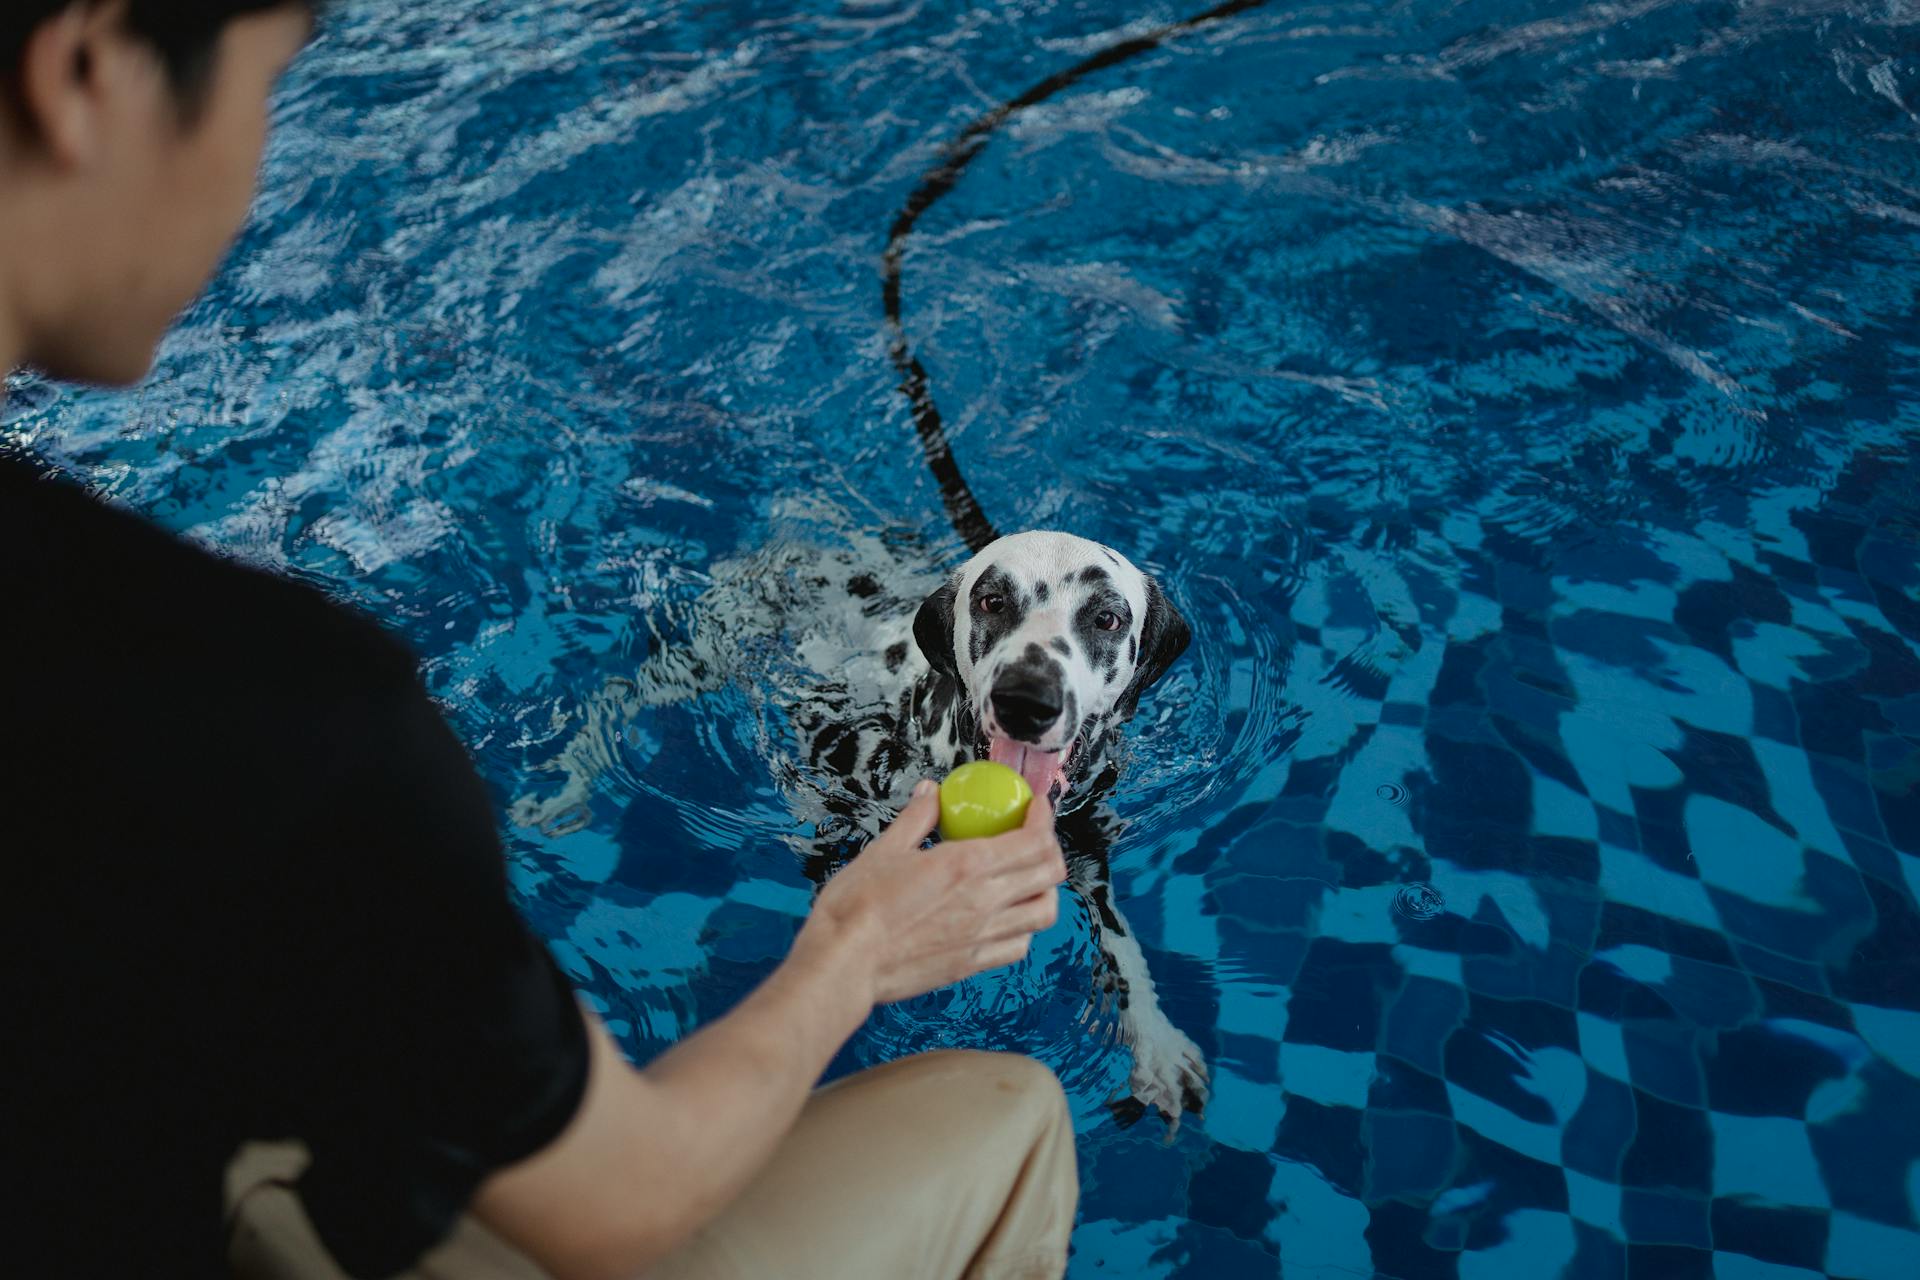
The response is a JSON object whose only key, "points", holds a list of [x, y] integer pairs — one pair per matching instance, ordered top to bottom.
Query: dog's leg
{"points": [[670, 674], [588, 754], [1169, 1071]]}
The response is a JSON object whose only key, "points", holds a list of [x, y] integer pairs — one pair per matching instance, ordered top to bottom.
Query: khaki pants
{"points": [[948, 1166]]}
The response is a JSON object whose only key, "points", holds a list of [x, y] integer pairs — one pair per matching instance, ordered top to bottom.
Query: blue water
{"points": [[1522, 401]]}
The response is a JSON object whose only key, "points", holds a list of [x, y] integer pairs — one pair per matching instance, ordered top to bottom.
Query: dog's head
{"points": [[1054, 639]]}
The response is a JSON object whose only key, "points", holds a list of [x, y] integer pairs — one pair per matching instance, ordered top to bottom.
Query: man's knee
{"points": [[1015, 1076], [1001, 1080], [1000, 1107], [1018, 1131]]}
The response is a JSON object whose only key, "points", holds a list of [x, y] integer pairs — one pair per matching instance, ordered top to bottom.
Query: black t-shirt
{"points": [[252, 889]]}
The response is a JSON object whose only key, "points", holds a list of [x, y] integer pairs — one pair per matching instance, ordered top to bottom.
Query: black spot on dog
{"points": [[1094, 573], [863, 585], [1040, 592], [984, 629], [1060, 646], [1102, 647], [896, 654], [933, 699], [823, 741], [843, 754], [885, 759]]}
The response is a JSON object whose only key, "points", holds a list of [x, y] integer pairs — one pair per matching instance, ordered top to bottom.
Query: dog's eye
{"points": [[992, 604], [1108, 621]]}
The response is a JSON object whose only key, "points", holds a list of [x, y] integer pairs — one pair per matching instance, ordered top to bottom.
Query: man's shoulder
{"points": [[123, 588]]}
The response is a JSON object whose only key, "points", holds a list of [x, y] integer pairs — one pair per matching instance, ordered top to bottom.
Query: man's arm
{"points": [[652, 1155]]}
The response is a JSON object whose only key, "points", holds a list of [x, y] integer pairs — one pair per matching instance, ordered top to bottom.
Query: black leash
{"points": [[969, 521]]}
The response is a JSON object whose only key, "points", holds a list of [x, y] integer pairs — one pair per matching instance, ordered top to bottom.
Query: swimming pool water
{"points": [[1522, 401]]}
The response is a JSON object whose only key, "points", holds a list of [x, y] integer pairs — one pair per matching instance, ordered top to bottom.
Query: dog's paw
{"points": [[560, 814], [1169, 1075]]}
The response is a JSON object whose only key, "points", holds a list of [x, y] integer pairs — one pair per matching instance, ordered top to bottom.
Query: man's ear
{"points": [[59, 80], [933, 628], [1164, 636]]}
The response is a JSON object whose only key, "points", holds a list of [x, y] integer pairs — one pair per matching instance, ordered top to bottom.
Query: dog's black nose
{"points": [[1025, 707]]}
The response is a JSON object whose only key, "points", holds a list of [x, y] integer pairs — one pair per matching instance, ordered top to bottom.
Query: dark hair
{"points": [[184, 33]]}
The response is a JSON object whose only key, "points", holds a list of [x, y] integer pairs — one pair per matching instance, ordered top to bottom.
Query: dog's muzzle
{"points": [[1026, 706]]}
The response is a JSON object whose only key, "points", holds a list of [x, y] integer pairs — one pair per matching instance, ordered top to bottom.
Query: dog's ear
{"points": [[933, 628], [1164, 636]]}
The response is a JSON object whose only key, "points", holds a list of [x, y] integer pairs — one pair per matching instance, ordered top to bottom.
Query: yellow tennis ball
{"points": [[982, 799]]}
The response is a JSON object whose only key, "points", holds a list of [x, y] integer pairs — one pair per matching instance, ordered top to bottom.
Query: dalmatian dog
{"points": [[1034, 653]]}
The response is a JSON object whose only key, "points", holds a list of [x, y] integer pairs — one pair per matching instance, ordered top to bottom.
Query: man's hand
{"points": [[922, 918], [653, 1154]]}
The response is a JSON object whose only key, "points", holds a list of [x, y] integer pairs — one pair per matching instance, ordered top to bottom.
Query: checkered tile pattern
{"points": [[1666, 1020]]}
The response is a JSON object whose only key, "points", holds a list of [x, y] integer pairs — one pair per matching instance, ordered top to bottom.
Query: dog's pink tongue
{"points": [[1040, 768]]}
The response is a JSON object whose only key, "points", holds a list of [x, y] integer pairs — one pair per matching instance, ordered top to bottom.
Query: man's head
{"points": [[130, 135], [1054, 638]]}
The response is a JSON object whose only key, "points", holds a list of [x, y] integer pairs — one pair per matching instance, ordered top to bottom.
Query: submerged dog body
{"points": [[1034, 654]]}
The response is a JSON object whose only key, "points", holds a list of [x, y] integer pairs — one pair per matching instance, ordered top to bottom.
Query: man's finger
{"points": [[1039, 815], [917, 820], [1025, 842], [1016, 854], [1028, 881], [1027, 916], [996, 954]]}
